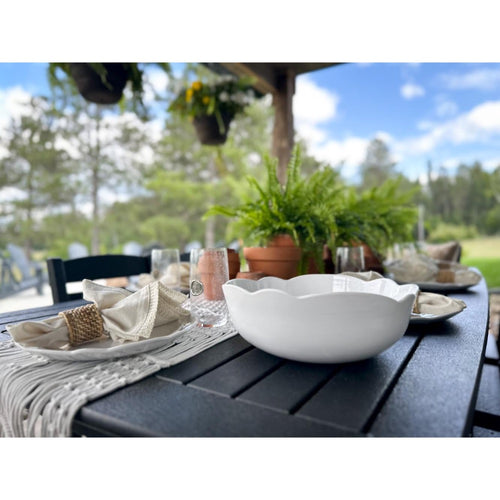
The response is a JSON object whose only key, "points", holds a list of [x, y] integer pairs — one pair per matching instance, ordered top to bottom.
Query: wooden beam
{"points": [[283, 122]]}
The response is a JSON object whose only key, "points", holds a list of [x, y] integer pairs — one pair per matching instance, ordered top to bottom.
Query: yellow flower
{"points": [[196, 86], [189, 95], [206, 99]]}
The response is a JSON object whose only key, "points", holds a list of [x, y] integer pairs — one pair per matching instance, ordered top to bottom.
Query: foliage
{"points": [[227, 95], [36, 165], [378, 165], [465, 198], [303, 208], [379, 217], [492, 221], [444, 232]]}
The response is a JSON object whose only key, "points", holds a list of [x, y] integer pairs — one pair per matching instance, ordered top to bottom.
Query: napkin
{"points": [[423, 269], [145, 278], [437, 304], [153, 311]]}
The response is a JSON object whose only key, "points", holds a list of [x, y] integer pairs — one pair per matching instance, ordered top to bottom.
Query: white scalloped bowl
{"points": [[320, 318]]}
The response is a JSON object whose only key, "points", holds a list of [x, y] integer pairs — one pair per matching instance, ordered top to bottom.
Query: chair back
{"points": [[19, 258], [92, 267]]}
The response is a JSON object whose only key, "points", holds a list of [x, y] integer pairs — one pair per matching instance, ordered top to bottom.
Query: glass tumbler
{"points": [[350, 259], [165, 266], [208, 272]]}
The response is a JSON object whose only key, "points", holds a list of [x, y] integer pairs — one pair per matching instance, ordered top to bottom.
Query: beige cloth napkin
{"points": [[423, 269], [145, 278], [437, 304], [152, 311]]}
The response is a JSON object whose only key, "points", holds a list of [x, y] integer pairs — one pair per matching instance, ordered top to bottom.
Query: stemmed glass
{"points": [[350, 259]]}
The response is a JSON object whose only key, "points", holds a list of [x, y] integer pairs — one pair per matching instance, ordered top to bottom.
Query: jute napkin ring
{"points": [[84, 324]]}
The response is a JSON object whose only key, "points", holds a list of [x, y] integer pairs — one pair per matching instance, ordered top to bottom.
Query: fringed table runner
{"points": [[39, 396]]}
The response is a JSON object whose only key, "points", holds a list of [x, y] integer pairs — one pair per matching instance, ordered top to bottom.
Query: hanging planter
{"points": [[91, 86], [212, 106], [209, 131]]}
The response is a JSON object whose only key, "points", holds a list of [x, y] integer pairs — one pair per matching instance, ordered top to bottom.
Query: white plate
{"points": [[423, 319], [107, 349]]}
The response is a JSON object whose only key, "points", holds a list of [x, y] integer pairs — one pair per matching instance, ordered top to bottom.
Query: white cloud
{"points": [[481, 79], [157, 81], [411, 90], [11, 104], [312, 104], [445, 107], [479, 124], [351, 152], [491, 163]]}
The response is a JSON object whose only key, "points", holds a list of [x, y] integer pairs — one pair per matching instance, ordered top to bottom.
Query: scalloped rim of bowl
{"points": [[382, 286]]}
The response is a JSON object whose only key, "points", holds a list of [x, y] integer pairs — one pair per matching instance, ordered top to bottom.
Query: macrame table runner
{"points": [[39, 396]]}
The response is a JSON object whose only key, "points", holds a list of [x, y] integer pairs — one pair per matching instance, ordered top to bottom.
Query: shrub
{"points": [[451, 232]]}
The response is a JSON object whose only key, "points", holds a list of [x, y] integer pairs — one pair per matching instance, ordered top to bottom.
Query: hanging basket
{"points": [[92, 88], [208, 131]]}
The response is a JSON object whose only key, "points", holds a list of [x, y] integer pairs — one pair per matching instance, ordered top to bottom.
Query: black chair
{"points": [[93, 267], [487, 410]]}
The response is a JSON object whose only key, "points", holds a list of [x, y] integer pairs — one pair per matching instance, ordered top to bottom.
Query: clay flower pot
{"points": [[281, 258], [233, 261]]}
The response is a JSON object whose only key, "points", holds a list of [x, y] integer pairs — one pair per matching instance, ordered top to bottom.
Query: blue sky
{"points": [[446, 113]]}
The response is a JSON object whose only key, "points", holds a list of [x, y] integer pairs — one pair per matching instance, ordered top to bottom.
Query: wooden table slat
{"points": [[205, 361], [238, 374], [442, 376], [286, 388], [351, 397], [164, 408]]}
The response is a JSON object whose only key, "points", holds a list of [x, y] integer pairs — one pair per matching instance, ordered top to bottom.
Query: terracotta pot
{"points": [[92, 88], [208, 131], [282, 240], [233, 261], [279, 261], [372, 262], [211, 277]]}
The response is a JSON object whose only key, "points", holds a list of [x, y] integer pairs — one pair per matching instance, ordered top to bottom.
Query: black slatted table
{"points": [[424, 385]]}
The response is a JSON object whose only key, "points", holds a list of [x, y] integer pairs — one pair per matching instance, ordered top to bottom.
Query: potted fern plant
{"points": [[375, 219], [290, 223]]}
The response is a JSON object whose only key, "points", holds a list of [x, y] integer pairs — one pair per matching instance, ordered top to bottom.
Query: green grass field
{"points": [[483, 253]]}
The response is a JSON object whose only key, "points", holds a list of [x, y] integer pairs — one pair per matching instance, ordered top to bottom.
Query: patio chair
{"points": [[132, 248], [77, 250], [450, 251], [93, 267], [31, 273]]}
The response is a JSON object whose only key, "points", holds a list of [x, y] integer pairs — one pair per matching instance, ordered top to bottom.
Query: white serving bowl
{"points": [[320, 318]]}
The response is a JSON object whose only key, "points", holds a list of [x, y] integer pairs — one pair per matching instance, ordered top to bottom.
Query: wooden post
{"points": [[283, 121]]}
